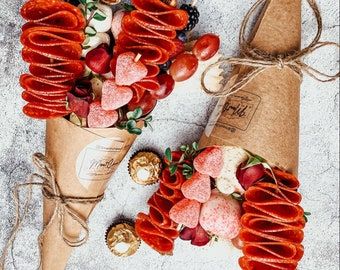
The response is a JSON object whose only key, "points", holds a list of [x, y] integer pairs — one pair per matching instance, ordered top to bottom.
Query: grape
{"points": [[206, 47], [184, 66], [167, 85], [147, 103]]}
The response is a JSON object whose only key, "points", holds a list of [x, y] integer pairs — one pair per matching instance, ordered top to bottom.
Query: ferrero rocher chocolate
{"points": [[110, 2], [145, 168], [122, 240]]}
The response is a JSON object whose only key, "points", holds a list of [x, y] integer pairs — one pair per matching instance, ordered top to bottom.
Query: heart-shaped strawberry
{"points": [[98, 59], [128, 70], [115, 96], [100, 118], [210, 161], [197, 188], [186, 212], [221, 216]]}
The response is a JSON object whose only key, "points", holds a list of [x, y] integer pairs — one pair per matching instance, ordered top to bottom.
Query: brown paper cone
{"points": [[263, 116], [84, 160]]}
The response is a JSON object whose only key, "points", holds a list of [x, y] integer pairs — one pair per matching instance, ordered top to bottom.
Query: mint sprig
{"points": [[133, 117]]}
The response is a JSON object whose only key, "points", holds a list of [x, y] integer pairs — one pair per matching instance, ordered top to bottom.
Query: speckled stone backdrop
{"points": [[180, 118]]}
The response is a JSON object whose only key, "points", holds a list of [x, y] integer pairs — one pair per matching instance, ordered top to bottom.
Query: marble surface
{"points": [[179, 119]]}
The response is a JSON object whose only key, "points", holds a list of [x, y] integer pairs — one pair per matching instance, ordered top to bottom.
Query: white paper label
{"points": [[98, 160]]}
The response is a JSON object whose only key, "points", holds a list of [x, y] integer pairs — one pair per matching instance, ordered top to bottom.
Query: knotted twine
{"points": [[260, 61], [45, 178]]}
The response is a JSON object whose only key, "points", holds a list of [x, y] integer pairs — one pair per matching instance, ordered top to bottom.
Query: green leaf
{"points": [[82, 2], [91, 6], [128, 7], [99, 17], [89, 30], [86, 47], [138, 112], [148, 119], [131, 124], [136, 131], [195, 146], [184, 148], [168, 154], [254, 160], [187, 167], [173, 169], [236, 196], [305, 215]]}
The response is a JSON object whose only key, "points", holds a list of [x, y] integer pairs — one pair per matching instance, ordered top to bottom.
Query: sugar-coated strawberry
{"points": [[98, 59], [128, 70], [115, 96], [100, 118], [210, 161], [248, 176], [197, 188], [186, 212], [221, 216]]}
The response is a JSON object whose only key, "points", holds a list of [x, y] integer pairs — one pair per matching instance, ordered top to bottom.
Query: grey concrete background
{"points": [[179, 119]]}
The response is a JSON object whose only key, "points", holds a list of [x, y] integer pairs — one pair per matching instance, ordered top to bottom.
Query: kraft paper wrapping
{"points": [[263, 117], [84, 160]]}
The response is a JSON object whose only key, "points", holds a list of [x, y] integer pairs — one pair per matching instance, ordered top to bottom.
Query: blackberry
{"points": [[74, 2], [193, 16], [182, 36], [165, 67]]}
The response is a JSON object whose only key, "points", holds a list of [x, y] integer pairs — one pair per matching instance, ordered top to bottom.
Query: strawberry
{"points": [[98, 59], [129, 71], [114, 96], [78, 105], [99, 118], [210, 161], [248, 176], [197, 188], [186, 212], [221, 216], [201, 237]]}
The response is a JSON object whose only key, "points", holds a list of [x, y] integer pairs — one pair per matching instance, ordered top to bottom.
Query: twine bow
{"points": [[259, 60], [45, 178]]}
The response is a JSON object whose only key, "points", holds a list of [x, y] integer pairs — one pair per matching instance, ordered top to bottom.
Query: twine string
{"points": [[259, 60], [45, 179]]}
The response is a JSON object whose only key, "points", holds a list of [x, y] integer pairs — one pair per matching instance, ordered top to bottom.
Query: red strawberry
{"points": [[179, 48], [98, 60], [129, 71], [114, 96], [77, 105], [99, 118], [210, 161], [247, 177], [197, 188], [186, 212], [187, 233], [198, 236], [201, 237]]}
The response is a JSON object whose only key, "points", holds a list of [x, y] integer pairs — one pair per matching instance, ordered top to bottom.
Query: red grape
{"points": [[206, 47], [184, 66], [167, 85], [147, 103]]}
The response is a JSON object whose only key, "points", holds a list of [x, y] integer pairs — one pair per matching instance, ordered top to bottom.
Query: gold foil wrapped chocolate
{"points": [[145, 168], [122, 240]]}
